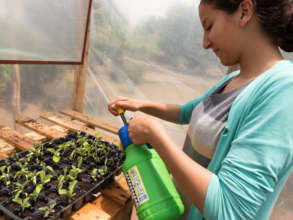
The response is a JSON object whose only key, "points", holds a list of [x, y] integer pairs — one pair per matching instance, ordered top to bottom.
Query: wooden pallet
{"points": [[115, 200]]}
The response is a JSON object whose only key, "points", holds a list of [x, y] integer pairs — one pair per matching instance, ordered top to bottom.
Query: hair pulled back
{"points": [[274, 16]]}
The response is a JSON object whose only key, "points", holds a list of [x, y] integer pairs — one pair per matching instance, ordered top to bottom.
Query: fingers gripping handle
{"points": [[124, 137]]}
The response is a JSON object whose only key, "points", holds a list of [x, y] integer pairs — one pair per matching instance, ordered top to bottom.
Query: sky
{"points": [[139, 10]]}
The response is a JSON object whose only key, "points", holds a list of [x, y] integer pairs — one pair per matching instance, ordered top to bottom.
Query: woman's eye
{"points": [[209, 27]]}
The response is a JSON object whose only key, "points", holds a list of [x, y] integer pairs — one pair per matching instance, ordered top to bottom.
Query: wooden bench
{"points": [[114, 202]]}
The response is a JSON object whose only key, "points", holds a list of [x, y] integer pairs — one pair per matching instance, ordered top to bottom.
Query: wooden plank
{"points": [[90, 121], [75, 126], [39, 127], [59, 128], [36, 137], [15, 138], [6, 148], [3, 156], [118, 191], [107, 205], [90, 211], [126, 212]]}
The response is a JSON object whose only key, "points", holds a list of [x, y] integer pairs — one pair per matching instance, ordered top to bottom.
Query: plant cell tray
{"points": [[51, 180]]}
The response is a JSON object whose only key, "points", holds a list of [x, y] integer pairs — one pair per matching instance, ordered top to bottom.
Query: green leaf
{"points": [[96, 134], [85, 144], [61, 146], [52, 150], [72, 155], [56, 157], [79, 162], [3, 169], [50, 169], [94, 173], [42, 175], [48, 178], [35, 179], [60, 181], [72, 186], [39, 188], [62, 192], [17, 200], [26, 203], [52, 205], [43, 208]]}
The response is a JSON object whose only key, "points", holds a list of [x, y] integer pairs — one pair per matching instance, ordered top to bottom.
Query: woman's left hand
{"points": [[143, 130]]}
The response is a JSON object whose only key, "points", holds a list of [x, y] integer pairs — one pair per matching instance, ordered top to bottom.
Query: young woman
{"points": [[238, 151]]}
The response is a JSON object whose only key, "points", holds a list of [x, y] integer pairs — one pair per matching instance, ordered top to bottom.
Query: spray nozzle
{"points": [[121, 113]]}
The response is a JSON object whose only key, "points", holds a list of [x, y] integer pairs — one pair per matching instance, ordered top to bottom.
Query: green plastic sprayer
{"points": [[149, 181]]}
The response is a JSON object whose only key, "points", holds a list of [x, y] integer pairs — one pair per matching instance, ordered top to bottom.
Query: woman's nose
{"points": [[206, 43]]}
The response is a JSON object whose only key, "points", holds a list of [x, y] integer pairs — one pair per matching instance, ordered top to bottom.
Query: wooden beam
{"points": [[80, 78], [16, 93], [90, 121], [75, 126], [39, 127], [36, 137], [15, 138], [6, 148], [3, 156], [118, 191], [106, 207], [90, 211]]}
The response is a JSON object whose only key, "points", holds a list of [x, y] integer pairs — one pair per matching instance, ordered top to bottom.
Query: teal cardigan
{"points": [[254, 156]]}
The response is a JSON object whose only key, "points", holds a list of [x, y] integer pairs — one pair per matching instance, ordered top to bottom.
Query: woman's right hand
{"points": [[124, 103]]}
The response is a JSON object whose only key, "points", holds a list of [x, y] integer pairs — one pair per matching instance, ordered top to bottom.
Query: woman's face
{"points": [[220, 33]]}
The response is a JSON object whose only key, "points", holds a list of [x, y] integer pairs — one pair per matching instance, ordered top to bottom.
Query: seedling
{"points": [[56, 154], [14, 156], [79, 162], [46, 167], [73, 173], [94, 174], [5, 177], [45, 178], [61, 181], [19, 187], [70, 191], [36, 192], [24, 203], [48, 209]]}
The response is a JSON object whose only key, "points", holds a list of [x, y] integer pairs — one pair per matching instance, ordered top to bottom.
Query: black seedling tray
{"points": [[101, 154]]}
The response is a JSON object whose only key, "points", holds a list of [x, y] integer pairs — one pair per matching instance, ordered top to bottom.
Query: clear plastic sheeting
{"points": [[42, 30], [152, 50], [155, 55], [41, 88]]}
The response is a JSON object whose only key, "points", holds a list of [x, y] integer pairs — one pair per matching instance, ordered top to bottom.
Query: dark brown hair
{"points": [[275, 17]]}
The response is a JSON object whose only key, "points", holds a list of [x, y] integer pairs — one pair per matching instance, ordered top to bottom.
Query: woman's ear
{"points": [[246, 12]]}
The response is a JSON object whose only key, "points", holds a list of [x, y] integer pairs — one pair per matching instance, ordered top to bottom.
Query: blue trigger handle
{"points": [[149, 146]]}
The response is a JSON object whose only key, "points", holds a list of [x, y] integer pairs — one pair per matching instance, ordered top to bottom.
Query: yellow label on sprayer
{"points": [[136, 186]]}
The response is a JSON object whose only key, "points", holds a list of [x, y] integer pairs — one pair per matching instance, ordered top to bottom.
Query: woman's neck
{"points": [[259, 58], [254, 64]]}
